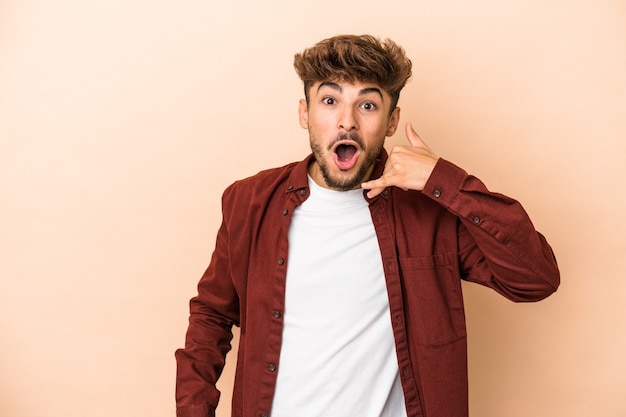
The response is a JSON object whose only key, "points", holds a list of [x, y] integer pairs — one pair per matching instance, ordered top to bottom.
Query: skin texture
{"points": [[358, 115], [408, 167]]}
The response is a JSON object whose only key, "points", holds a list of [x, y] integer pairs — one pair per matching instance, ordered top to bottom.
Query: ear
{"points": [[303, 112], [394, 120]]}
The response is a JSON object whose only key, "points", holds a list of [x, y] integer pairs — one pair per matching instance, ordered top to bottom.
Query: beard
{"points": [[345, 182]]}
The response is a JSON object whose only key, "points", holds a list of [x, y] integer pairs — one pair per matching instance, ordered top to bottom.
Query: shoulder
{"points": [[263, 178], [263, 185]]}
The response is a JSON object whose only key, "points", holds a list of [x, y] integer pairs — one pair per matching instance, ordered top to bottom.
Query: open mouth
{"points": [[345, 154]]}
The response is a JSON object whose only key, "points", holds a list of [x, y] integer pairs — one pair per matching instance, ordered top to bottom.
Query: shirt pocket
{"points": [[433, 299]]}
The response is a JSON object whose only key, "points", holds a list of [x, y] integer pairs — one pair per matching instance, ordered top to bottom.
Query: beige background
{"points": [[121, 122]]}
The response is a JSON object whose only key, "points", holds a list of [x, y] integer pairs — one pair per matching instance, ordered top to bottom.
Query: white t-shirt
{"points": [[338, 355]]}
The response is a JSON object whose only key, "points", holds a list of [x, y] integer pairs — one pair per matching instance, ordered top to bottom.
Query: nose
{"points": [[347, 120]]}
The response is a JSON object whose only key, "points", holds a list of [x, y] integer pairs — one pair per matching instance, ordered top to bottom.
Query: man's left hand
{"points": [[408, 167]]}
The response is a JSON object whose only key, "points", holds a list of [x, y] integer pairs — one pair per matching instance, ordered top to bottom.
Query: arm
{"points": [[498, 245], [212, 314]]}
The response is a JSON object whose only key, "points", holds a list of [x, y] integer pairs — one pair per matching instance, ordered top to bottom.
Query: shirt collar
{"points": [[298, 179]]}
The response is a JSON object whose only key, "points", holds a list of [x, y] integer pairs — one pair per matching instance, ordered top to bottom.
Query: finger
{"points": [[413, 137], [378, 183], [375, 187], [374, 192]]}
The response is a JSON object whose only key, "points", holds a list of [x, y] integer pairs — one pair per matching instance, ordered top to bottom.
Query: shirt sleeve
{"points": [[498, 244], [213, 312]]}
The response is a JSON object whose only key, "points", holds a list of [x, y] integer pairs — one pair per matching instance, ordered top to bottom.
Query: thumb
{"points": [[413, 137]]}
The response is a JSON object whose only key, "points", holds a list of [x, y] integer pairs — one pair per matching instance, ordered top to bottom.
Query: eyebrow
{"points": [[362, 92]]}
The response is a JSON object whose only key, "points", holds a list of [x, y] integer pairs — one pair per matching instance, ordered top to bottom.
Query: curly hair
{"points": [[352, 58]]}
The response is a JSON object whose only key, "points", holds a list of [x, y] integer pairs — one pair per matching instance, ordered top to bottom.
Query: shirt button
{"points": [[290, 187], [385, 191], [302, 192], [437, 193], [285, 212], [476, 219], [281, 261], [277, 314], [271, 367], [263, 415]]}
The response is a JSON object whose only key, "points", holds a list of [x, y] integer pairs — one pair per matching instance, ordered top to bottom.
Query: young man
{"points": [[344, 270]]}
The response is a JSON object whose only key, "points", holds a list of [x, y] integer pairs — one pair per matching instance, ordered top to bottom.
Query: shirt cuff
{"points": [[444, 182], [202, 410]]}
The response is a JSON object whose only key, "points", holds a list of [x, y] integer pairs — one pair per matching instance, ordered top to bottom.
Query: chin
{"points": [[344, 182]]}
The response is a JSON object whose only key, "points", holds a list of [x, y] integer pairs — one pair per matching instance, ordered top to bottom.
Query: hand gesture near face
{"points": [[408, 167]]}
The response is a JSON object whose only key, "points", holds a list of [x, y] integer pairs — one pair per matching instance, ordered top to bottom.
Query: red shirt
{"points": [[429, 240]]}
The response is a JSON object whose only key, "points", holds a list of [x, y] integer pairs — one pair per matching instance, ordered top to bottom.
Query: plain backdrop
{"points": [[122, 121]]}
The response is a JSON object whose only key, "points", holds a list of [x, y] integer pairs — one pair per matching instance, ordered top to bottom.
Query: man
{"points": [[344, 270]]}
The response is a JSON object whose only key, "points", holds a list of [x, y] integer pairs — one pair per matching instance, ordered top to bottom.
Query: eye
{"points": [[328, 100], [368, 105]]}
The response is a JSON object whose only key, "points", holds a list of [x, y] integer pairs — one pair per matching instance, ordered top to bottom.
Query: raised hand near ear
{"points": [[408, 167]]}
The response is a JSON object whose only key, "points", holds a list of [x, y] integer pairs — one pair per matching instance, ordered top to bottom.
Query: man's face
{"points": [[347, 124]]}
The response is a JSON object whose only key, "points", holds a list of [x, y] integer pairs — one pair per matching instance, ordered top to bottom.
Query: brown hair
{"points": [[351, 58]]}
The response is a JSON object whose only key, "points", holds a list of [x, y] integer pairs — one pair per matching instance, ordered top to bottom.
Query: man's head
{"points": [[352, 58], [352, 85]]}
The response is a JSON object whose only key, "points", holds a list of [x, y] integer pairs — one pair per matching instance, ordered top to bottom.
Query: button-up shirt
{"points": [[452, 230]]}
